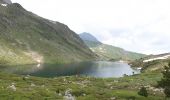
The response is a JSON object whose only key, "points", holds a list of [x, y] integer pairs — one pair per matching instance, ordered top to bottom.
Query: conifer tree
{"points": [[165, 81]]}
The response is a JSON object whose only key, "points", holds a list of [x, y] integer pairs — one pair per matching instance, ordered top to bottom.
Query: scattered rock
{"points": [[26, 77], [64, 80], [116, 81], [32, 85], [12, 87], [111, 87], [154, 89], [59, 94], [84, 94], [68, 95], [113, 98]]}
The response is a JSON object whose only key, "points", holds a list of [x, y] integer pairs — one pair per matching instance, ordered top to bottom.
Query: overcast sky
{"points": [[135, 25]]}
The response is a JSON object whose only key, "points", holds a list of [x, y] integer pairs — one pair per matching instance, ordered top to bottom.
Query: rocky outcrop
{"points": [[6, 1]]}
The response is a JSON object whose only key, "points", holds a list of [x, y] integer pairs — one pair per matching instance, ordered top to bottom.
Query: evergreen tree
{"points": [[165, 81], [143, 92]]}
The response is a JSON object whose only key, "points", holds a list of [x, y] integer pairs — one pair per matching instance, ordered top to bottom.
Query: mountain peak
{"points": [[6, 1], [88, 37]]}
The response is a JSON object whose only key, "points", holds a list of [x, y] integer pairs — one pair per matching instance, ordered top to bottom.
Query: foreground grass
{"points": [[14, 87]]}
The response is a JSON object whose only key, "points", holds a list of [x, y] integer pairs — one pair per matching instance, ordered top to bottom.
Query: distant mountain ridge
{"points": [[88, 37], [108, 52]]}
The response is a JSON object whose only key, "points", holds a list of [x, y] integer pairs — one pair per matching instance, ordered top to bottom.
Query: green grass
{"points": [[108, 52], [83, 88]]}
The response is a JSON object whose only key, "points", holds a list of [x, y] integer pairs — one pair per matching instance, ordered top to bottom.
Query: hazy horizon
{"points": [[140, 26]]}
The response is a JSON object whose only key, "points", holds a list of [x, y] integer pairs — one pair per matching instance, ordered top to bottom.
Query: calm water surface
{"points": [[101, 69]]}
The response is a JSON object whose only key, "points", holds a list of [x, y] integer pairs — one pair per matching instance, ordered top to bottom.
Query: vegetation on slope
{"points": [[28, 38], [108, 52], [150, 66], [165, 81], [78, 87]]}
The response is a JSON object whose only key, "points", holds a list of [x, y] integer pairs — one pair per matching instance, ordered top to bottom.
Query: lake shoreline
{"points": [[103, 69]]}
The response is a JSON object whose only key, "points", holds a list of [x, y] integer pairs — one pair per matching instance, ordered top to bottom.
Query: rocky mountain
{"points": [[88, 37], [27, 38], [108, 52]]}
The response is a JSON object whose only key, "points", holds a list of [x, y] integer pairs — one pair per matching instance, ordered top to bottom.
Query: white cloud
{"points": [[135, 25]]}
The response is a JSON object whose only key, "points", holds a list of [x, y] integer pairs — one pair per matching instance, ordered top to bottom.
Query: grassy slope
{"points": [[22, 32], [110, 52], [156, 65], [82, 88]]}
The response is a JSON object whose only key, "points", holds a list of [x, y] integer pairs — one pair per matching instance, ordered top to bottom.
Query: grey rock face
{"points": [[6, 1], [88, 37]]}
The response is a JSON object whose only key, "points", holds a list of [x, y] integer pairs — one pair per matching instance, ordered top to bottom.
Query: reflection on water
{"points": [[96, 69]]}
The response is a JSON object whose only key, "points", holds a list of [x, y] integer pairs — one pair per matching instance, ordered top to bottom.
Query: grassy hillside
{"points": [[27, 38], [108, 52], [150, 66], [15, 87]]}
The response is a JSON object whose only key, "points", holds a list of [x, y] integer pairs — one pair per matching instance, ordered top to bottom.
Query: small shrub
{"points": [[3, 61], [165, 81], [143, 92], [78, 93], [131, 98]]}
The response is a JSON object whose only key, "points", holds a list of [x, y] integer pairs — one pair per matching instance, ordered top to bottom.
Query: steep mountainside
{"points": [[27, 38], [108, 52], [152, 62]]}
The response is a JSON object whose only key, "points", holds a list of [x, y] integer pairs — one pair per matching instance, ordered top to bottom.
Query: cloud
{"points": [[135, 25]]}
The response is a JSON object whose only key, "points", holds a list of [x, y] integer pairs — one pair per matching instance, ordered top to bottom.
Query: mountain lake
{"points": [[102, 69]]}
